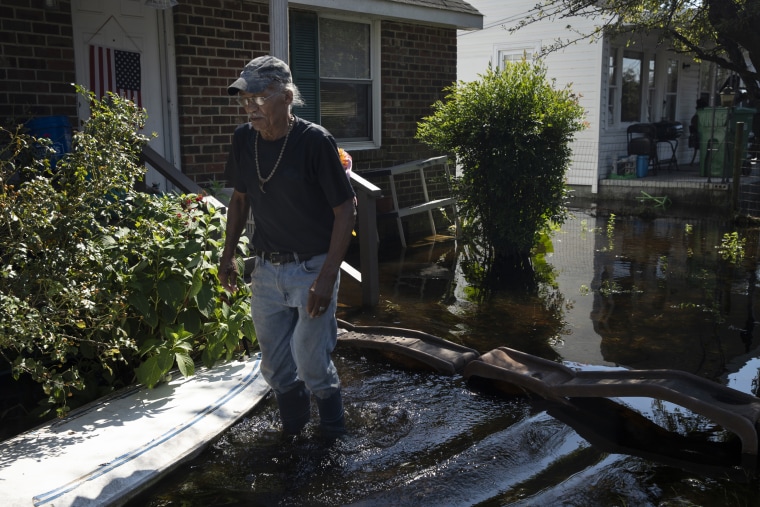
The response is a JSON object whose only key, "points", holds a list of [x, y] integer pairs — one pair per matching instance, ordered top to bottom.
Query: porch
{"points": [[685, 189]]}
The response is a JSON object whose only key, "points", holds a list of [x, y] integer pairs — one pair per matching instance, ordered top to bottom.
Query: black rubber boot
{"points": [[295, 409], [331, 419]]}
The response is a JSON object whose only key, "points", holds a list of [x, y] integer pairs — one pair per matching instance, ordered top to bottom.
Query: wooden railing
{"points": [[171, 173], [368, 274]]}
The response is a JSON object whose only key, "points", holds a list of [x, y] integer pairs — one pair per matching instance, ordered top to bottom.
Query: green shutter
{"points": [[304, 61]]}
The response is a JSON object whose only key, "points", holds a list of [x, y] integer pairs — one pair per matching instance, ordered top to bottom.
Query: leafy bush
{"points": [[510, 132], [100, 285]]}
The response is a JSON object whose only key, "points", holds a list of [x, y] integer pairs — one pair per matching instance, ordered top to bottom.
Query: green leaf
{"points": [[108, 241], [142, 282], [197, 283], [171, 291], [206, 300], [139, 302], [168, 313], [151, 317], [190, 320], [249, 331], [176, 334], [232, 339], [149, 345], [181, 347], [213, 351], [166, 360], [185, 364], [153, 369], [149, 373]]}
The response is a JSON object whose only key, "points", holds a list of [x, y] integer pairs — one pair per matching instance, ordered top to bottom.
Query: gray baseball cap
{"points": [[260, 73]]}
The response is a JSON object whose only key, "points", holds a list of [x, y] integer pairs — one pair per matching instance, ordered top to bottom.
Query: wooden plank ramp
{"points": [[734, 410], [107, 452]]}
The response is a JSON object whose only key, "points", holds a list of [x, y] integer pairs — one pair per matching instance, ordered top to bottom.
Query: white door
{"points": [[131, 28]]}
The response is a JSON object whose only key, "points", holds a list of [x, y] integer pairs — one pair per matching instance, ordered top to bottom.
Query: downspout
{"points": [[278, 29]]}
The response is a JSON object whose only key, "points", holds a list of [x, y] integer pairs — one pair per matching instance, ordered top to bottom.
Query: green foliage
{"points": [[510, 132], [731, 247], [100, 285]]}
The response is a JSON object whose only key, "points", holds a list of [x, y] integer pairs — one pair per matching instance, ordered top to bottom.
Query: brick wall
{"points": [[213, 41], [36, 61], [417, 63]]}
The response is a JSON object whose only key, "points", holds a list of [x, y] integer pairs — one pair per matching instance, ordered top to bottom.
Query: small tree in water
{"points": [[510, 132]]}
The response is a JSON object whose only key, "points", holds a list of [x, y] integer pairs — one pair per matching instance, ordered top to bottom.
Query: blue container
{"points": [[55, 128], [642, 165]]}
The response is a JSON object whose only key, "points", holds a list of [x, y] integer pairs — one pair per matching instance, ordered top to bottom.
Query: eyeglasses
{"points": [[259, 101]]}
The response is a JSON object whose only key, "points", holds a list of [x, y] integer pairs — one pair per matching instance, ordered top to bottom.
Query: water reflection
{"points": [[621, 292], [662, 299]]}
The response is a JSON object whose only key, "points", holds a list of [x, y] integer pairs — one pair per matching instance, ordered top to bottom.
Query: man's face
{"points": [[266, 110]]}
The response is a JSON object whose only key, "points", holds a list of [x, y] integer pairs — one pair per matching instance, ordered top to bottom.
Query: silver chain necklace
{"points": [[264, 181]]}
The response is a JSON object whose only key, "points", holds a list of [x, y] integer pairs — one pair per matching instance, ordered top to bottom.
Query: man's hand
{"points": [[237, 213], [228, 274], [320, 292], [320, 295]]}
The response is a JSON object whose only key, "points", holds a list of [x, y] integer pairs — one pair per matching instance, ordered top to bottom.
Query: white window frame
{"points": [[514, 52], [375, 71], [614, 83], [673, 95], [651, 98]]}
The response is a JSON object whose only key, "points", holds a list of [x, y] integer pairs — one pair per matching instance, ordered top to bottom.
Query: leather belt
{"points": [[282, 257]]}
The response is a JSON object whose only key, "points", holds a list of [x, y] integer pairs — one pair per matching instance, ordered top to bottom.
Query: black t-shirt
{"points": [[295, 211]]}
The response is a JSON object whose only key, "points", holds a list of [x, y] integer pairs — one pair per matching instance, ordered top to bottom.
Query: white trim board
{"points": [[111, 450]]}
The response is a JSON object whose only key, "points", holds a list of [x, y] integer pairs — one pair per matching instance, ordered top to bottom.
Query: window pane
{"points": [[344, 49], [513, 55], [672, 86], [631, 99], [669, 108], [345, 110]]}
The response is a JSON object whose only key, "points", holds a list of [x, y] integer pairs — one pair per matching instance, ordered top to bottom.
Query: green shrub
{"points": [[510, 132], [100, 285]]}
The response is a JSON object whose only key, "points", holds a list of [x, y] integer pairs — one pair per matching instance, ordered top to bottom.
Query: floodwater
{"points": [[617, 292]]}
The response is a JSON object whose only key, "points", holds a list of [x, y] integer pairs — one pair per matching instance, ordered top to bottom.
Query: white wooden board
{"points": [[107, 452]]}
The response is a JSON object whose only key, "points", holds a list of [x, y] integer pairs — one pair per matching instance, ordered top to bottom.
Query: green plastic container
{"points": [[717, 128]]}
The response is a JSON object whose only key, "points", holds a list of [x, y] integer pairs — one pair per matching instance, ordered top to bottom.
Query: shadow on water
{"points": [[616, 292]]}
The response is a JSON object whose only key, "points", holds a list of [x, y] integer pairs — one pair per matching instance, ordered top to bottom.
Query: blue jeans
{"points": [[294, 346]]}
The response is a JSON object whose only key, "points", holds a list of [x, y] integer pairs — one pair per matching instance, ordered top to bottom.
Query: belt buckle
{"points": [[275, 258]]}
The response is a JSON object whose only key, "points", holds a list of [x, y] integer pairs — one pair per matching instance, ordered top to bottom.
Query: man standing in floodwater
{"points": [[287, 171]]}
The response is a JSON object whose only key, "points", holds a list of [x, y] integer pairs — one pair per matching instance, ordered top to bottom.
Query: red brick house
{"points": [[369, 70]]}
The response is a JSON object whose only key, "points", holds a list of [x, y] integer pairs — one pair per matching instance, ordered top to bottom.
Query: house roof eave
{"points": [[451, 13]]}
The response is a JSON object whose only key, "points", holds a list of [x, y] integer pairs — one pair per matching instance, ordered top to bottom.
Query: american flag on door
{"points": [[117, 71]]}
